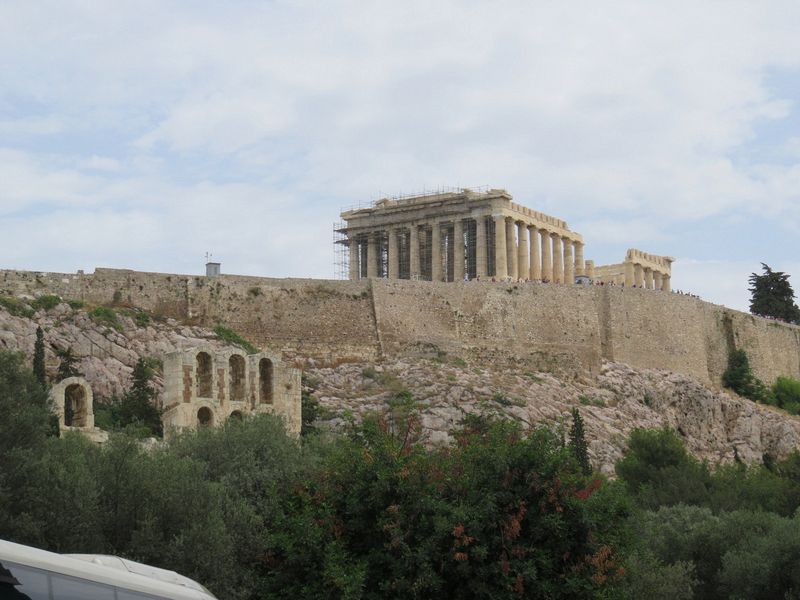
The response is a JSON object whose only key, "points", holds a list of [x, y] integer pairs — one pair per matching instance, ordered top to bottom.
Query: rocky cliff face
{"points": [[107, 354], [715, 424]]}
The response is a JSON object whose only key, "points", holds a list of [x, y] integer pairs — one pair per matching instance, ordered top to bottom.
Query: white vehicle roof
{"points": [[110, 570]]}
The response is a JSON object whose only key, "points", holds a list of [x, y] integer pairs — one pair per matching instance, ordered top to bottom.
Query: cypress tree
{"points": [[772, 295], [38, 358], [67, 368], [138, 403], [577, 442]]}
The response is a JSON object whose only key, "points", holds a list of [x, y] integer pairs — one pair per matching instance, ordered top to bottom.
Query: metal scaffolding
{"points": [[341, 251]]}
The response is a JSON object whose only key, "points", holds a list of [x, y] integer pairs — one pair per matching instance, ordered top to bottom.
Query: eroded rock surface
{"points": [[715, 424]]}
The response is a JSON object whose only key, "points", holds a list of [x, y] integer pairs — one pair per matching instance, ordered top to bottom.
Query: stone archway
{"points": [[236, 366], [205, 377], [265, 381], [73, 401], [75, 406], [237, 414], [205, 417]]}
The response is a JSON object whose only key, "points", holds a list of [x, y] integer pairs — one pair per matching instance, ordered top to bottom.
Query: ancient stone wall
{"points": [[546, 326]]}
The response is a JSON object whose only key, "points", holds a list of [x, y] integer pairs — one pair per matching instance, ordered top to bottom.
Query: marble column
{"points": [[500, 248], [511, 249], [458, 250], [413, 252], [436, 252], [372, 254], [394, 255], [547, 257], [558, 259], [536, 261], [481, 264], [580, 265], [353, 266], [590, 269], [523, 272], [569, 273], [638, 275], [630, 276], [648, 278], [657, 280], [666, 283]]}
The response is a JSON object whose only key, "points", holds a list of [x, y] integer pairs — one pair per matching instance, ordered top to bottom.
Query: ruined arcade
{"points": [[204, 387]]}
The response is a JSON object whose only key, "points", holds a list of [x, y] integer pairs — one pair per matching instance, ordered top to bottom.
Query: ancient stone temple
{"points": [[460, 235], [639, 269], [205, 387]]}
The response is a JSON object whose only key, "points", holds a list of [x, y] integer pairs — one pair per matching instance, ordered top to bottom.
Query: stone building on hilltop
{"points": [[466, 235]]}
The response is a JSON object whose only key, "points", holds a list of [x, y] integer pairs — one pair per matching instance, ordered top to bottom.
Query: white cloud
{"points": [[246, 126]]}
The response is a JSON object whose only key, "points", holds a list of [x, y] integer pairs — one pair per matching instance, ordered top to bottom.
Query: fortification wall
{"points": [[544, 326]]}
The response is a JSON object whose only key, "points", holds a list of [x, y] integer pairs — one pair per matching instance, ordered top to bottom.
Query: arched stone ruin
{"points": [[205, 387], [73, 402]]}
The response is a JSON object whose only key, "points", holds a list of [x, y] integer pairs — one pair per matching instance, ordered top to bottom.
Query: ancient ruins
{"points": [[460, 235], [639, 269], [206, 387], [73, 403]]}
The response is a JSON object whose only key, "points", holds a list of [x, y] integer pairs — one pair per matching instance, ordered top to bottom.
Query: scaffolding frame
{"points": [[341, 251]]}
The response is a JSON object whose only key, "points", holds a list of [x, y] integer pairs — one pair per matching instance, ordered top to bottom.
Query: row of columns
{"points": [[521, 251], [643, 276]]}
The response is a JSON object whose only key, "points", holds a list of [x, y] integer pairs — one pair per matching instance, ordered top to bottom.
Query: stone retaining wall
{"points": [[546, 326]]}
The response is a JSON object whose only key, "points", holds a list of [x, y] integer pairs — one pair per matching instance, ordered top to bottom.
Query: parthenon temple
{"points": [[460, 235]]}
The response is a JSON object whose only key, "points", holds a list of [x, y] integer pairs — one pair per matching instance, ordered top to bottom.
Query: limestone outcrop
{"points": [[106, 355], [716, 425]]}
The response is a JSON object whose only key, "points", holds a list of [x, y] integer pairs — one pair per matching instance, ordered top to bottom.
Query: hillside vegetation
{"points": [[373, 513]]}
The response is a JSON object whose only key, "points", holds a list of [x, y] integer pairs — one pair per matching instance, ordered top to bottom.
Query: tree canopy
{"points": [[772, 295]]}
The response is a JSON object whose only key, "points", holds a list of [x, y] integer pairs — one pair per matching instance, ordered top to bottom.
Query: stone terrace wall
{"points": [[331, 321], [545, 326]]}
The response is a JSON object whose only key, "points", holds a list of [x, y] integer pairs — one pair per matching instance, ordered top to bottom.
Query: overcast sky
{"points": [[144, 134]]}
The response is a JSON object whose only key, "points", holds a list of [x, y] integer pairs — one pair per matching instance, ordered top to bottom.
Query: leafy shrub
{"points": [[46, 302], [75, 304], [16, 307], [104, 315], [142, 319], [231, 337], [459, 362], [369, 373], [739, 377], [786, 392], [586, 401]]}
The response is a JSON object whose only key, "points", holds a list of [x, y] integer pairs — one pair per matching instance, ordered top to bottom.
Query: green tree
{"points": [[772, 295], [66, 366], [39, 370], [739, 377], [137, 406], [23, 429], [577, 442], [658, 471], [499, 514]]}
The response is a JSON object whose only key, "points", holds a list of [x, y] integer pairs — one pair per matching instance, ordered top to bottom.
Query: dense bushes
{"points": [[739, 377], [253, 513]]}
